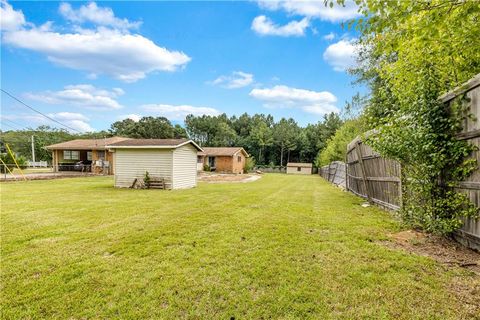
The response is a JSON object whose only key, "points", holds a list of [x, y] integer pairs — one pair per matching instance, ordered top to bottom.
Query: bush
{"points": [[336, 147], [10, 162], [249, 164], [206, 168], [146, 179]]}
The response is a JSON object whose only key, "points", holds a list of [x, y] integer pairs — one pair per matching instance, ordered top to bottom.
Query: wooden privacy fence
{"points": [[334, 172], [372, 177], [377, 179]]}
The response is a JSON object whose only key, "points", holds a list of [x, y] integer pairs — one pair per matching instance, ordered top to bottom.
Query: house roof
{"points": [[85, 144], [151, 144], [222, 151], [299, 164]]}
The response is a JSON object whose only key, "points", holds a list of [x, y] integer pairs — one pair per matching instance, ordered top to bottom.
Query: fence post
{"points": [[362, 167]]}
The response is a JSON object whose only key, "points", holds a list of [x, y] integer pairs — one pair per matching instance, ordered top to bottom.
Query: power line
{"points": [[33, 109]]}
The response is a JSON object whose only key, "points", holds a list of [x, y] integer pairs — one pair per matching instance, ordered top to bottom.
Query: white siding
{"points": [[132, 163], [185, 167]]}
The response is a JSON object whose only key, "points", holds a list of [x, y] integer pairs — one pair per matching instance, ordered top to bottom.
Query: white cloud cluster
{"points": [[313, 9], [96, 15], [9, 18], [265, 27], [329, 37], [108, 49], [341, 55], [238, 79], [83, 96], [280, 96], [179, 112], [132, 116], [74, 120]]}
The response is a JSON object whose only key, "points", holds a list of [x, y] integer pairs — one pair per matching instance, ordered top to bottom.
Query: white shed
{"points": [[173, 160], [299, 168]]}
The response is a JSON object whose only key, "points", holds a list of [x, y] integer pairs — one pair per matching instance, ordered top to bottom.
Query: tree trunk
{"points": [[260, 155], [281, 156], [288, 156]]}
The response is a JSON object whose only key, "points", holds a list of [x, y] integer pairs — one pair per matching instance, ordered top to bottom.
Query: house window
{"points": [[71, 155], [89, 155], [101, 155], [239, 158], [199, 159], [299, 168]]}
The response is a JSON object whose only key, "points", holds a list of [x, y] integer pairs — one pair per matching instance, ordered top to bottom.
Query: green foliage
{"points": [[412, 52], [148, 128], [336, 147], [9, 161], [249, 164], [207, 168], [146, 179]]}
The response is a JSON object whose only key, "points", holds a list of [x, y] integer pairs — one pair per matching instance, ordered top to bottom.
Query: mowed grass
{"points": [[282, 247]]}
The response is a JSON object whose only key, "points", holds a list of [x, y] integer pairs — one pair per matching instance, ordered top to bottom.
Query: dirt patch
{"points": [[221, 177], [443, 250], [452, 256]]}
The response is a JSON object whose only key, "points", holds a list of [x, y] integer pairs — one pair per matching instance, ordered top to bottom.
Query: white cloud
{"points": [[313, 9], [94, 14], [10, 19], [265, 27], [329, 37], [108, 49], [341, 55], [238, 79], [83, 96], [280, 96], [179, 112], [131, 116], [74, 120]]}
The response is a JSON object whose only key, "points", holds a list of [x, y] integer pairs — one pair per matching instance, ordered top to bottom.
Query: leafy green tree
{"points": [[262, 137]]}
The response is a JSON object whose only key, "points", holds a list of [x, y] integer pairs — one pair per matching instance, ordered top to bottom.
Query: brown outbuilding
{"points": [[222, 159]]}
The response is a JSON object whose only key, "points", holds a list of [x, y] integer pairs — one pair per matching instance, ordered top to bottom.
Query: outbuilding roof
{"points": [[85, 144], [152, 144], [222, 151], [299, 164]]}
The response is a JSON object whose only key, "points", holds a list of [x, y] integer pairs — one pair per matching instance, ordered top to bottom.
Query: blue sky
{"points": [[88, 64]]}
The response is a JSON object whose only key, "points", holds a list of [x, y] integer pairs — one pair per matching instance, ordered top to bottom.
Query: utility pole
{"points": [[33, 151]]}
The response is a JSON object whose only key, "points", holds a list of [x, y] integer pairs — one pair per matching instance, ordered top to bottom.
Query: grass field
{"points": [[283, 247]]}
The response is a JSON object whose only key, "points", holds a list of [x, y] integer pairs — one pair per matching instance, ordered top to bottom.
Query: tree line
{"points": [[270, 142]]}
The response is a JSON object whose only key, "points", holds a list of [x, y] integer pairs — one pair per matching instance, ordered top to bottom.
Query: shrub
{"points": [[336, 147], [249, 164], [206, 168], [146, 179]]}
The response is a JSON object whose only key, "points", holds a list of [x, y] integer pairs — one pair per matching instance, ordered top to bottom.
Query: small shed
{"points": [[223, 159], [172, 160], [299, 168]]}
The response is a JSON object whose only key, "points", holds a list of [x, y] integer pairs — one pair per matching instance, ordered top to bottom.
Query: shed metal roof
{"points": [[152, 143], [299, 164]]}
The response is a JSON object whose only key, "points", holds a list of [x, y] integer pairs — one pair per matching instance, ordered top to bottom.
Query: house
{"points": [[92, 153], [223, 159], [172, 160], [299, 168]]}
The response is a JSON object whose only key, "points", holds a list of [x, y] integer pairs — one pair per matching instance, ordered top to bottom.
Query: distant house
{"points": [[84, 154], [223, 159], [172, 160], [299, 168]]}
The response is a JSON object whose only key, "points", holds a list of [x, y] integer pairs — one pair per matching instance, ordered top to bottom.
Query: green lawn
{"points": [[283, 247]]}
